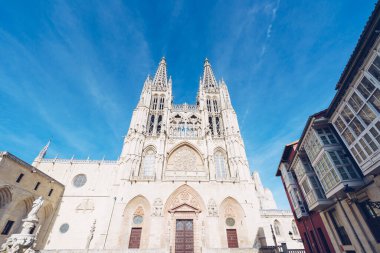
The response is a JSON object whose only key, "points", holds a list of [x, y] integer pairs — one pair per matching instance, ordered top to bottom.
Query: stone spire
{"points": [[161, 78], [208, 80], [41, 155]]}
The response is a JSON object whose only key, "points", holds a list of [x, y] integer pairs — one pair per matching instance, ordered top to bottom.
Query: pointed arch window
{"points": [[162, 101], [154, 104], [208, 105], [215, 106], [217, 123], [151, 124], [159, 124], [211, 125], [148, 163], [221, 166], [277, 228]]}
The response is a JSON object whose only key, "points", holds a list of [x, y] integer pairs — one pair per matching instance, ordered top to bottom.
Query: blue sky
{"points": [[72, 71]]}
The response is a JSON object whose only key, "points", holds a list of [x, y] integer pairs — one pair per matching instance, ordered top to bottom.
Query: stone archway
{"points": [[184, 211], [136, 217], [232, 221]]}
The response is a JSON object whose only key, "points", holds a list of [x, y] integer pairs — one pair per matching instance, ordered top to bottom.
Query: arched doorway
{"points": [[184, 212]]}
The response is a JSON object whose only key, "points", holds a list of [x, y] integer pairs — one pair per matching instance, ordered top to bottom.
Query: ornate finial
{"points": [[206, 61], [43, 151]]}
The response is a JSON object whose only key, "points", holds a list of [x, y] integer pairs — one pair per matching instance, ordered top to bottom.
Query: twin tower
{"points": [[184, 142]]}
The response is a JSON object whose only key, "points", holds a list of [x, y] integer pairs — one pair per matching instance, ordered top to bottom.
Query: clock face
{"points": [[138, 219], [230, 222]]}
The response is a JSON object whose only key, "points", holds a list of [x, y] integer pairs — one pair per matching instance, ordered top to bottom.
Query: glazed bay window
{"points": [[358, 120], [326, 136], [312, 145], [343, 165], [300, 168], [326, 173], [309, 183], [312, 190]]}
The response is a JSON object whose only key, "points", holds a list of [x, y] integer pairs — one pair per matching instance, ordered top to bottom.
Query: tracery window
{"points": [[162, 101], [154, 104], [208, 105], [215, 106], [155, 115], [217, 122], [159, 123], [151, 124], [211, 125], [185, 127], [148, 164], [221, 166]]}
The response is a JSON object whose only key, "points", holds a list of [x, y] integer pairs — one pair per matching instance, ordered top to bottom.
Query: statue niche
{"points": [[185, 162]]}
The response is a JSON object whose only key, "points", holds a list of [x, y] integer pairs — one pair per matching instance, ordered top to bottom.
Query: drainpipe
{"points": [[109, 222], [352, 228]]}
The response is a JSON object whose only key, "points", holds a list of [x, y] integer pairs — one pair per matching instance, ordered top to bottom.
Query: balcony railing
{"points": [[185, 108]]}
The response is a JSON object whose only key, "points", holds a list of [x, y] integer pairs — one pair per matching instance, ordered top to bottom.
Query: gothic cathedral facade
{"points": [[181, 184]]}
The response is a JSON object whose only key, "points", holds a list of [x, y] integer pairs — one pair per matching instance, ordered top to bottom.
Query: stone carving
{"points": [[185, 159], [185, 197], [36, 206], [86, 206], [157, 207], [212, 209], [139, 211], [229, 211], [91, 235], [24, 242]]}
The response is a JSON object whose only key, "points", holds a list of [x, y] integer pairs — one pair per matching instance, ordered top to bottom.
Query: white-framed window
{"points": [[358, 119], [326, 136], [312, 145], [148, 163], [343, 165], [221, 166], [301, 167], [326, 173]]}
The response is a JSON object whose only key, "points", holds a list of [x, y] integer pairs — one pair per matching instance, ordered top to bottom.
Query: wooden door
{"points": [[184, 236], [232, 238], [134, 240]]}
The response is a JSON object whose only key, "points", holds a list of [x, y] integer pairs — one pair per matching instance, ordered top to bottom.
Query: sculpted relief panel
{"points": [[185, 159], [185, 163]]}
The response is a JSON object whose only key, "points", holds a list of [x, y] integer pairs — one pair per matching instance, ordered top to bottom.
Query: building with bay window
{"points": [[334, 170]]}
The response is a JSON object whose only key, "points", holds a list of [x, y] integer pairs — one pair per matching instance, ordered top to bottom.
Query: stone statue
{"points": [[36, 206], [23, 242]]}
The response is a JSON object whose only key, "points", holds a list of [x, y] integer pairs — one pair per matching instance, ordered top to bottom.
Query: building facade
{"points": [[336, 163], [182, 182], [20, 185], [309, 223]]}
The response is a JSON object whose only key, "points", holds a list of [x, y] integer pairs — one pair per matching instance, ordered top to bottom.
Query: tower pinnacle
{"points": [[161, 79], [208, 80]]}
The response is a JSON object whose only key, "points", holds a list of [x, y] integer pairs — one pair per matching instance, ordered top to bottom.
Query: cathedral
{"points": [[182, 183]]}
